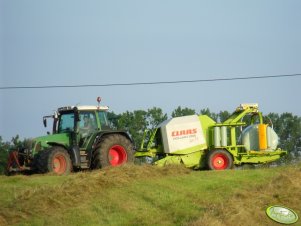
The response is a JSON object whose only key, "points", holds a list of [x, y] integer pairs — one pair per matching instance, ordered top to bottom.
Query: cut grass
{"points": [[146, 195]]}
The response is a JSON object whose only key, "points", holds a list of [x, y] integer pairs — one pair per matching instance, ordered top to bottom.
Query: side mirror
{"points": [[45, 122]]}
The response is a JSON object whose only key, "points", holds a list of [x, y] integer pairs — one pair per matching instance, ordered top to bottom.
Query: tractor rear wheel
{"points": [[113, 150], [54, 160], [219, 160]]}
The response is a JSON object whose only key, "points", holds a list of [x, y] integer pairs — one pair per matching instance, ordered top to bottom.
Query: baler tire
{"points": [[113, 150], [219, 159], [54, 160]]}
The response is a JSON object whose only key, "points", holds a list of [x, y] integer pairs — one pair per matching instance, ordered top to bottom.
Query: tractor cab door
{"points": [[87, 126]]}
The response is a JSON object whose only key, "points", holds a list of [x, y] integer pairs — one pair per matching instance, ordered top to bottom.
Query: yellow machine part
{"points": [[262, 136]]}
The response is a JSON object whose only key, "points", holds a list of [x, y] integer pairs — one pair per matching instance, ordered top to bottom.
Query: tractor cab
{"points": [[81, 119], [79, 123]]}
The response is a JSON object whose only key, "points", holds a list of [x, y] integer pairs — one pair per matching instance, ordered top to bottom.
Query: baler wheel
{"points": [[113, 150], [219, 160]]}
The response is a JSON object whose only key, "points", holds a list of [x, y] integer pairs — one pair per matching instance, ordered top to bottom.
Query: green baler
{"points": [[200, 142]]}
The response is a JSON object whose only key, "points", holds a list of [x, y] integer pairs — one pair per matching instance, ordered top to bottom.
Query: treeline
{"points": [[286, 125]]}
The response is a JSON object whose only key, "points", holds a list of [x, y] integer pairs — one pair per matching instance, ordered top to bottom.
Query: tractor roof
{"points": [[84, 108]]}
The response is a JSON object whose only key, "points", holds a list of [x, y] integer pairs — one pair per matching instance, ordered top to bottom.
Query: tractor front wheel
{"points": [[113, 150], [54, 160], [219, 160]]}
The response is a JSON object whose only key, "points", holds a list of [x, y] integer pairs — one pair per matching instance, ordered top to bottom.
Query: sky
{"points": [[76, 42]]}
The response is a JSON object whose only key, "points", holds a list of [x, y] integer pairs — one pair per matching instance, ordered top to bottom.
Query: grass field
{"points": [[147, 195]]}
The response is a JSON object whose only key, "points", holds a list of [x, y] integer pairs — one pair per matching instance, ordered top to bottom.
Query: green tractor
{"points": [[81, 139], [200, 142]]}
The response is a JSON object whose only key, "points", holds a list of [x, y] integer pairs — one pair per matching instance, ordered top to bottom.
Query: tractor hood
{"points": [[41, 143]]}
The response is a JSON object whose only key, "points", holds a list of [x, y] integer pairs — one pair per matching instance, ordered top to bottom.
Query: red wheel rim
{"points": [[117, 155], [220, 162], [59, 164]]}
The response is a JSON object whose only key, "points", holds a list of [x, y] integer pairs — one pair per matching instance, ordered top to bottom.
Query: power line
{"points": [[149, 83]]}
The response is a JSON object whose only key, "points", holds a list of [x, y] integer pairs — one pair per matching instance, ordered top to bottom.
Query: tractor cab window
{"points": [[103, 118], [66, 122], [87, 122]]}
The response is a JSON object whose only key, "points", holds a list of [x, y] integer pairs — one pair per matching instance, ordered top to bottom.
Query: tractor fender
{"points": [[57, 144], [62, 145]]}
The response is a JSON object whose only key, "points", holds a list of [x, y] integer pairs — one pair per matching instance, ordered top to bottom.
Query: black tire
{"points": [[113, 150], [54, 160], [219, 160]]}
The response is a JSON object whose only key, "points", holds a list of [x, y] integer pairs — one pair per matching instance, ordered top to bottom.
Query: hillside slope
{"points": [[147, 195]]}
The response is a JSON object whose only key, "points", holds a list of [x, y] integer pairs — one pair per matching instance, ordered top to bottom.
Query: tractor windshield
{"points": [[89, 121], [66, 122]]}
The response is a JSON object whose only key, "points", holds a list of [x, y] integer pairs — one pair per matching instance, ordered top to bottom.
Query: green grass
{"points": [[146, 195]]}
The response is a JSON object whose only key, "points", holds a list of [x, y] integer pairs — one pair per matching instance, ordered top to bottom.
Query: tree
{"points": [[179, 111], [207, 112], [223, 115], [154, 117], [113, 120], [135, 123], [290, 134], [4, 147]]}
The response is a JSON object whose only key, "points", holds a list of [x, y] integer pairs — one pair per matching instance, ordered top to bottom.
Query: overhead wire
{"points": [[149, 83]]}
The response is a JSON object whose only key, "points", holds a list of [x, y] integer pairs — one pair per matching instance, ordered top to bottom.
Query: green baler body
{"points": [[195, 156]]}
